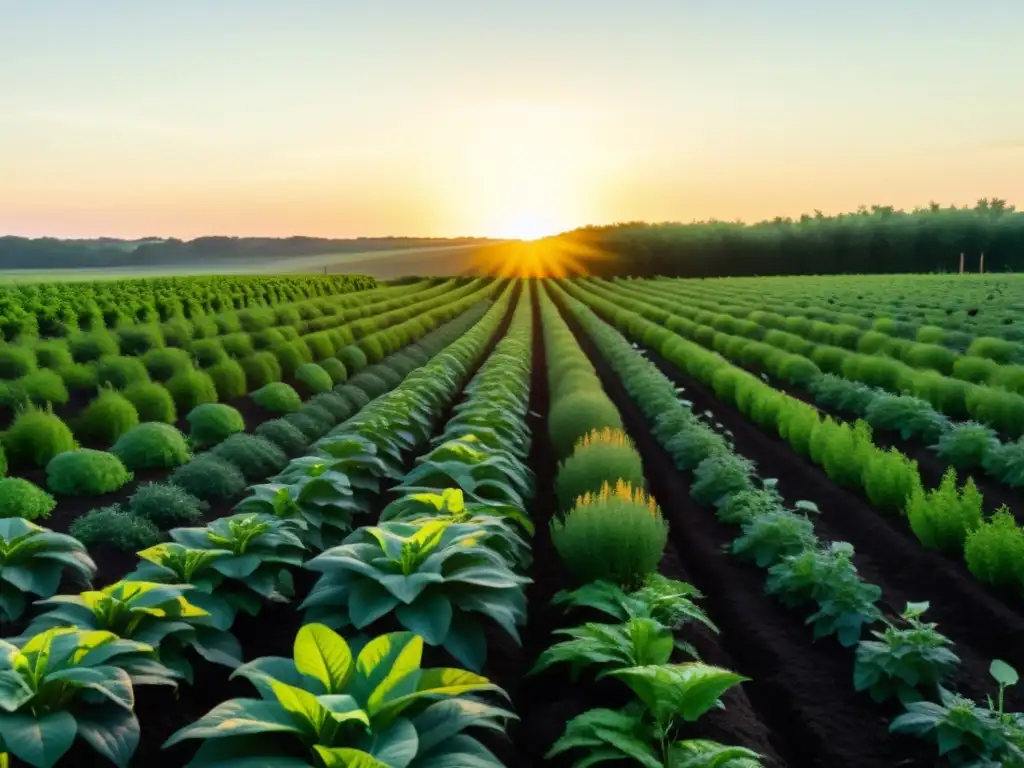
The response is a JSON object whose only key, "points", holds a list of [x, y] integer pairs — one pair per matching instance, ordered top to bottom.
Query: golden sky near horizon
{"points": [[512, 119]]}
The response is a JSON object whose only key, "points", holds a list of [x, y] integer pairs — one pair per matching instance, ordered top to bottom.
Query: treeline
{"points": [[875, 239], [52, 253]]}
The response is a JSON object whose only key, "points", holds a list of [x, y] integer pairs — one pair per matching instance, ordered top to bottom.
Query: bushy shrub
{"points": [[177, 332], [930, 334], [268, 338], [139, 339], [238, 344], [320, 345], [87, 347], [999, 350], [208, 352], [53, 354], [291, 355], [931, 356], [353, 359], [16, 361], [167, 362], [261, 369], [335, 369], [975, 369], [798, 370], [877, 371], [120, 372], [385, 373], [78, 376], [1009, 377], [314, 378], [229, 379], [371, 384], [39, 387], [190, 389], [946, 394], [843, 395], [277, 397], [357, 397], [152, 402], [337, 405], [997, 408], [108, 416], [911, 417], [571, 418], [212, 423], [312, 425], [285, 436], [35, 437], [694, 444], [152, 445], [966, 445], [842, 450], [256, 457], [600, 457], [1005, 463], [85, 472], [719, 476], [209, 478], [890, 479], [20, 498], [166, 505], [745, 505], [942, 518], [115, 527], [617, 535], [770, 537], [994, 551]]}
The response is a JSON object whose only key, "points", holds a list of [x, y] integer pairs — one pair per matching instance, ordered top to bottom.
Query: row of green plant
{"points": [[58, 308], [788, 355], [948, 518], [611, 535], [233, 564], [908, 660]]}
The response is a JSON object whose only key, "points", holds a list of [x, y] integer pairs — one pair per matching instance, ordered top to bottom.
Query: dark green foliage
{"points": [[177, 332], [267, 338], [139, 339], [237, 344], [320, 345], [86, 347], [999, 350], [208, 352], [53, 354], [291, 355], [353, 359], [16, 361], [164, 363], [261, 369], [335, 369], [975, 369], [120, 372], [385, 373], [79, 376], [314, 378], [229, 379], [372, 385], [190, 389], [354, 395], [843, 395], [277, 397], [152, 402], [337, 405], [108, 416], [572, 417], [911, 417], [212, 423], [309, 424], [285, 436], [35, 437], [152, 445], [967, 445], [257, 457], [1005, 462], [592, 466], [84, 472], [719, 476], [209, 478], [20, 498], [166, 505], [745, 506], [115, 527], [770, 537], [994, 551]]}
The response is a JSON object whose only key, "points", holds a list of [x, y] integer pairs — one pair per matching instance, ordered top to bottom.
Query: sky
{"points": [[337, 118]]}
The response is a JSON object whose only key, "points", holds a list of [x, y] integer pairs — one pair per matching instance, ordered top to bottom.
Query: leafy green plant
{"points": [[86, 347], [353, 359], [16, 361], [165, 362], [261, 368], [335, 369], [119, 372], [78, 377], [314, 378], [229, 379], [369, 383], [38, 388], [190, 389], [277, 397], [152, 402], [336, 404], [109, 416], [911, 417], [571, 418], [212, 423], [285, 436], [35, 437], [152, 445], [968, 445], [691, 446], [256, 457], [599, 457], [1005, 463], [85, 472], [718, 477], [209, 478], [890, 479], [21, 498], [165, 504], [744, 506], [942, 518], [116, 527], [772, 536], [994, 551], [34, 560], [827, 576], [433, 577], [904, 659], [67, 683], [377, 708]]}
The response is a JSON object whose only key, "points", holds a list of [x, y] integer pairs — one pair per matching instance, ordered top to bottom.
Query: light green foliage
{"points": [[139, 339], [237, 344], [208, 352], [53, 354], [291, 355], [353, 358], [16, 361], [167, 362], [261, 369], [335, 369], [120, 372], [78, 376], [314, 378], [229, 379], [40, 388], [190, 389], [277, 397], [152, 402], [998, 408], [575, 416], [107, 417], [212, 423], [35, 437], [152, 445], [256, 457], [603, 457], [85, 472], [209, 478], [890, 479], [20, 498], [165, 504], [747, 505], [942, 518], [115, 527], [994, 551], [33, 561], [633, 643], [336, 708]]}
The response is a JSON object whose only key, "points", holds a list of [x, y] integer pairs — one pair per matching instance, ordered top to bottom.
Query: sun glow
{"points": [[547, 257]]}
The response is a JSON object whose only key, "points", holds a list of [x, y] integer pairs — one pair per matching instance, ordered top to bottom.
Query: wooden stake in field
{"points": [[961, 263], [981, 265]]}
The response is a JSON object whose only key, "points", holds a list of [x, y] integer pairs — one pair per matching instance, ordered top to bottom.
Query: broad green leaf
{"points": [[430, 617], [322, 654], [383, 663], [1003, 673], [113, 682], [14, 690], [684, 690], [302, 705], [239, 717], [111, 731], [40, 742], [397, 745], [345, 757]]}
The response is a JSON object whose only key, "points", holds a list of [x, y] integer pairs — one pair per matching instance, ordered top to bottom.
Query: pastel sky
{"points": [[339, 118]]}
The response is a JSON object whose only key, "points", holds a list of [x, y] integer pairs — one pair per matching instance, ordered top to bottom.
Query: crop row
{"points": [[57, 308], [948, 519], [611, 534], [188, 592], [907, 660]]}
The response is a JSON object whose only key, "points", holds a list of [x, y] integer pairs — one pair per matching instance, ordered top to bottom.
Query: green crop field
{"points": [[335, 520]]}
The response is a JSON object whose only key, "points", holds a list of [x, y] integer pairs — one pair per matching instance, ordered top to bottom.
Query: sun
{"points": [[529, 225]]}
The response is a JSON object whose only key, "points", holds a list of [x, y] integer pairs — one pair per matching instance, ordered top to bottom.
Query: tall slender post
{"points": [[961, 263], [981, 265]]}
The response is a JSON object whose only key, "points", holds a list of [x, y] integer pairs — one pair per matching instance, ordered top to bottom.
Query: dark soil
{"points": [[801, 690]]}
